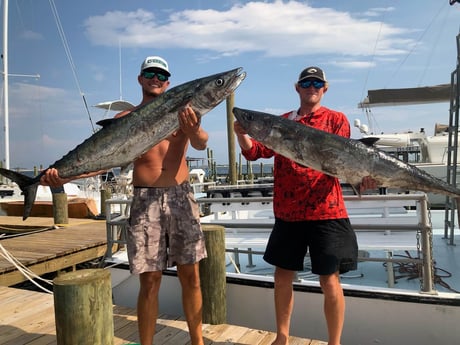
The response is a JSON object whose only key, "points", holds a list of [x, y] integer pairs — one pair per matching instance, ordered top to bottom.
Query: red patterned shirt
{"points": [[301, 193]]}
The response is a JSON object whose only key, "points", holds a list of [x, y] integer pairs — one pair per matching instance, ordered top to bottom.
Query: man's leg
{"points": [[189, 277], [284, 302], [147, 306], [334, 306]]}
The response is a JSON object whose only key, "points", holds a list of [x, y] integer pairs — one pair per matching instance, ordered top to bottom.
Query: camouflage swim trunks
{"points": [[164, 229]]}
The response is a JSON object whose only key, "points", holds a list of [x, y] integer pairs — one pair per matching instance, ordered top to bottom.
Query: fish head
{"points": [[208, 92], [257, 124]]}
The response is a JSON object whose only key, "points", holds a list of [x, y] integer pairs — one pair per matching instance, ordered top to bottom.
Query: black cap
{"points": [[312, 72]]}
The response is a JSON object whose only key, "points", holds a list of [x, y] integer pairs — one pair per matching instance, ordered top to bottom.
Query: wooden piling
{"points": [[105, 195], [60, 208], [212, 276], [83, 308]]}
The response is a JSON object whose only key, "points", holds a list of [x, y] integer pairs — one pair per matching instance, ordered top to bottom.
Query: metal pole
{"points": [[5, 83], [231, 139], [427, 245]]}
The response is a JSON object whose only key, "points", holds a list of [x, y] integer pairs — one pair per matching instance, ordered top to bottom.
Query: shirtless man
{"points": [[164, 223]]}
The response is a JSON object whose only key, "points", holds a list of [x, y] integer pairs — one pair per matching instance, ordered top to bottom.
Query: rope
{"points": [[3, 236], [233, 263], [412, 271], [30, 275]]}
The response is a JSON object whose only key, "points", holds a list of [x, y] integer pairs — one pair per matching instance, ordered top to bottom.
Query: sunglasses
{"points": [[150, 75], [317, 84]]}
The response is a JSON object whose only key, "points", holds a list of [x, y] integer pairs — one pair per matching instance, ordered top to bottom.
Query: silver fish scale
{"points": [[128, 137], [124, 139], [347, 159]]}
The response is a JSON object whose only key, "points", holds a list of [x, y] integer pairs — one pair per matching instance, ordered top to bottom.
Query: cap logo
{"points": [[157, 61], [312, 70]]}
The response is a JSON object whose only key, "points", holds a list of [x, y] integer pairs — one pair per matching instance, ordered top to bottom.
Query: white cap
{"points": [[155, 62]]}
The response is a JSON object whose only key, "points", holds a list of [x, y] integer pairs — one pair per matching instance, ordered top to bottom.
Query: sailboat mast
{"points": [[5, 84]]}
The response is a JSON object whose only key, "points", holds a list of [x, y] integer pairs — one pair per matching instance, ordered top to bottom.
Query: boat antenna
{"points": [[69, 57], [119, 68]]}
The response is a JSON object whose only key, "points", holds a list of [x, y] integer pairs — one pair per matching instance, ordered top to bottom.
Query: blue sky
{"points": [[361, 45]]}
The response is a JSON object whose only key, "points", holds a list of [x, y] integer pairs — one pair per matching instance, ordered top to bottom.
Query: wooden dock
{"points": [[44, 251], [27, 317]]}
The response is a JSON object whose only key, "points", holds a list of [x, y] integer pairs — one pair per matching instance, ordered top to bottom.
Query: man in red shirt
{"points": [[310, 214]]}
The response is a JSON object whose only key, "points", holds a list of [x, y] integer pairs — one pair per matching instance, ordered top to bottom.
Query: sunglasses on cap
{"points": [[150, 75], [317, 84]]}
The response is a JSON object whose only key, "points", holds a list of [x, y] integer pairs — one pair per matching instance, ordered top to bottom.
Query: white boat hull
{"points": [[415, 312], [373, 316]]}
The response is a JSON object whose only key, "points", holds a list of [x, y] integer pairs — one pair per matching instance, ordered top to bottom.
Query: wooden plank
{"points": [[53, 250], [60, 263], [15, 277], [30, 320], [173, 328], [231, 334], [255, 337]]}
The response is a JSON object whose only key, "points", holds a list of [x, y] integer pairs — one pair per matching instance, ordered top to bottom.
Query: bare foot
{"points": [[281, 340]]}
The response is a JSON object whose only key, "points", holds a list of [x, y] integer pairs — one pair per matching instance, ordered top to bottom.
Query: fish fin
{"points": [[106, 122], [369, 141], [27, 185], [30, 192]]}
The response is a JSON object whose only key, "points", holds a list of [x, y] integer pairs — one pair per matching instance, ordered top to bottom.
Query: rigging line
{"points": [[416, 44], [432, 50], [69, 57], [372, 60]]}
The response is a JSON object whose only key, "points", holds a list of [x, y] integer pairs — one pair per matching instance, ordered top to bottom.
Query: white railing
{"points": [[381, 222]]}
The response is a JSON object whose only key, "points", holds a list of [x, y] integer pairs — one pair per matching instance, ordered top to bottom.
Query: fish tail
{"points": [[27, 185]]}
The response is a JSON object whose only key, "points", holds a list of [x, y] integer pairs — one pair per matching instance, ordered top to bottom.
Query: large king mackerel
{"points": [[124, 139], [347, 159]]}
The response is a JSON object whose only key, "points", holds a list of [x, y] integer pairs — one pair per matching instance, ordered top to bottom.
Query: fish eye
{"points": [[219, 82]]}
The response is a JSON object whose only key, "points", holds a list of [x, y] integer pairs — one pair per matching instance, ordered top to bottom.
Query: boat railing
{"points": [[202, 187], [116, 216], [381, 222]]}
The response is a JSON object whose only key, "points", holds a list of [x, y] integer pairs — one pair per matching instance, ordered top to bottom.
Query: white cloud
{"points": [[378, 11], [276, 29], [32, 35]]}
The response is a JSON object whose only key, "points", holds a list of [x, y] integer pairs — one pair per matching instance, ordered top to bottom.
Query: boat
{"points": [[427, 152], [84, 194], [406, 288]]}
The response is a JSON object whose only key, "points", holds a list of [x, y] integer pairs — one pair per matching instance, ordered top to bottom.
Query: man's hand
{"points": [[188, 121], [190, 125], [238, 129], [51, 178], [367, 183]]}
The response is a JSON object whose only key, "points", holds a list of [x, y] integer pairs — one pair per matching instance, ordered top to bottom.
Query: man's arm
{"points": [[190, 124], [243, 139], [51, 177]]}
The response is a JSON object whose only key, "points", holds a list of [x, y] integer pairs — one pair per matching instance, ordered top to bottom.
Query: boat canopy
{"points": [[417, 95], [118, 105]]}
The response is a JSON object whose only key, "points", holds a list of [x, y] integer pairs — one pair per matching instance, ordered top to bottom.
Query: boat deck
{"points": [[48, 251], [27, 317]]}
